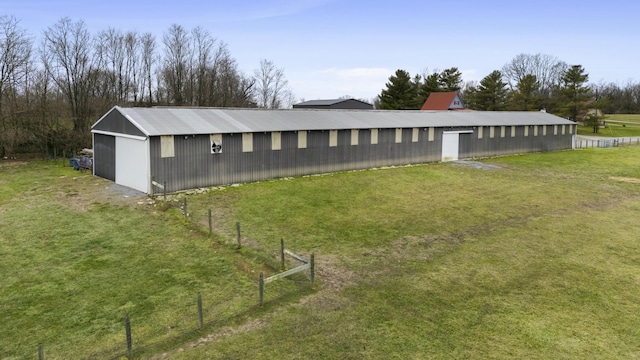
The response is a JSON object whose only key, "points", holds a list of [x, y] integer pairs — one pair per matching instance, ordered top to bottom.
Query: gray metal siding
{"points": [[115, 122], [472, 147], [104, 156], [194, 166]]}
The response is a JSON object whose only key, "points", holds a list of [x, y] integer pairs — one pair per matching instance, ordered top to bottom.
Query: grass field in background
{"points": [[616, 125], [536, 259]]}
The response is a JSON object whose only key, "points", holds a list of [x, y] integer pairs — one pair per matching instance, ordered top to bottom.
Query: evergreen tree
{"points": [[450, 79], [444, 81], [431, 84], [574, 92], [491, 93], [400, 94], [467, 94], [470, 97], [526, 97]]}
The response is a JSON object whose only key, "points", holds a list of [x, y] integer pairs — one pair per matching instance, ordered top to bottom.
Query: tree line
{"points": [[526, 83], [51, 92]]}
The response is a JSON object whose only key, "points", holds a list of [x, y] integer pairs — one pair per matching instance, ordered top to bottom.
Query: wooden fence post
{"points": [[210, 223], [238, 231], [281, 253], [312, 268], [261, 288], [200, 317], [127, 326], [40, 352]]}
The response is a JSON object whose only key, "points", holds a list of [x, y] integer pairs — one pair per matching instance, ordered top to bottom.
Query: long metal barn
{"points": [[190, 148]]}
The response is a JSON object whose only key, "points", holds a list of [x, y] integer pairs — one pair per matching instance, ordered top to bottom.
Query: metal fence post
{"points": [[185, 208], [210, 223], [238, 231], [282, 253], [312, 268], [261, 288], [200, 317], [127, 326], [40, 352]]}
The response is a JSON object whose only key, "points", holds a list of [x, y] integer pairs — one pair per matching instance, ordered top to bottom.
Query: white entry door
{"points": [[450, 146]]}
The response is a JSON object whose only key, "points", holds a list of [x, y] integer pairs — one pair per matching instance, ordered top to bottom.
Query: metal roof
{"points": [[321, 102], [328, 102], [191, 121]]}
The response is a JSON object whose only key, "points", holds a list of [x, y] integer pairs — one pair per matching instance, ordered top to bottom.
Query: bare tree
{"points": [[203, 45], [110, 49], [119, 56], [67, 57], [148, 58], [15, 59], [177, 63], [132, 65], [221, 65], [547, 69], [228, 86], [160, 87], [271, 87], [233, 89], [48, 111]]}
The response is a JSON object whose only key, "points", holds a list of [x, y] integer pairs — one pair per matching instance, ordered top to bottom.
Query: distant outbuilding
{"points": [[443, 101], [343, 104], [187, 148]]}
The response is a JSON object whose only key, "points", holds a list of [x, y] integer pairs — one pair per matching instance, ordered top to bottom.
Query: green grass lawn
{"points": [[616, 125], [537, 259], [73, 266]]}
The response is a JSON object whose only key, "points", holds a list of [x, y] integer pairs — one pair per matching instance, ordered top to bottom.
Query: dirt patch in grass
{"points": [[10, 163], [477, 165], [625, 179], [82, 191], [82, 195], [218, 216], [333, 276], [221, 333]]}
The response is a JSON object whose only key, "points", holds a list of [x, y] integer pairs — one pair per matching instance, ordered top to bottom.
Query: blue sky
{"points": [[331, 48]]}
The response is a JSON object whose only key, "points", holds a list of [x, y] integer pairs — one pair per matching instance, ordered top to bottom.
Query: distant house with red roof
{"points": [[443, 101]]}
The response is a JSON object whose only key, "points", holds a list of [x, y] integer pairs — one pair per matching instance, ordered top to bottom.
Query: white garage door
{"points": [[132, 163]]}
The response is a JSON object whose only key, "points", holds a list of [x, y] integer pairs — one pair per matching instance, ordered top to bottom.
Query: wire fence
{"points": [[606, 143], [206, 316]]}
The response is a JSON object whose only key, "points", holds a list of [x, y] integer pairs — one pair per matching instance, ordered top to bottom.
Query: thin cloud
{"points": [[359, 73], [361, 82]]}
